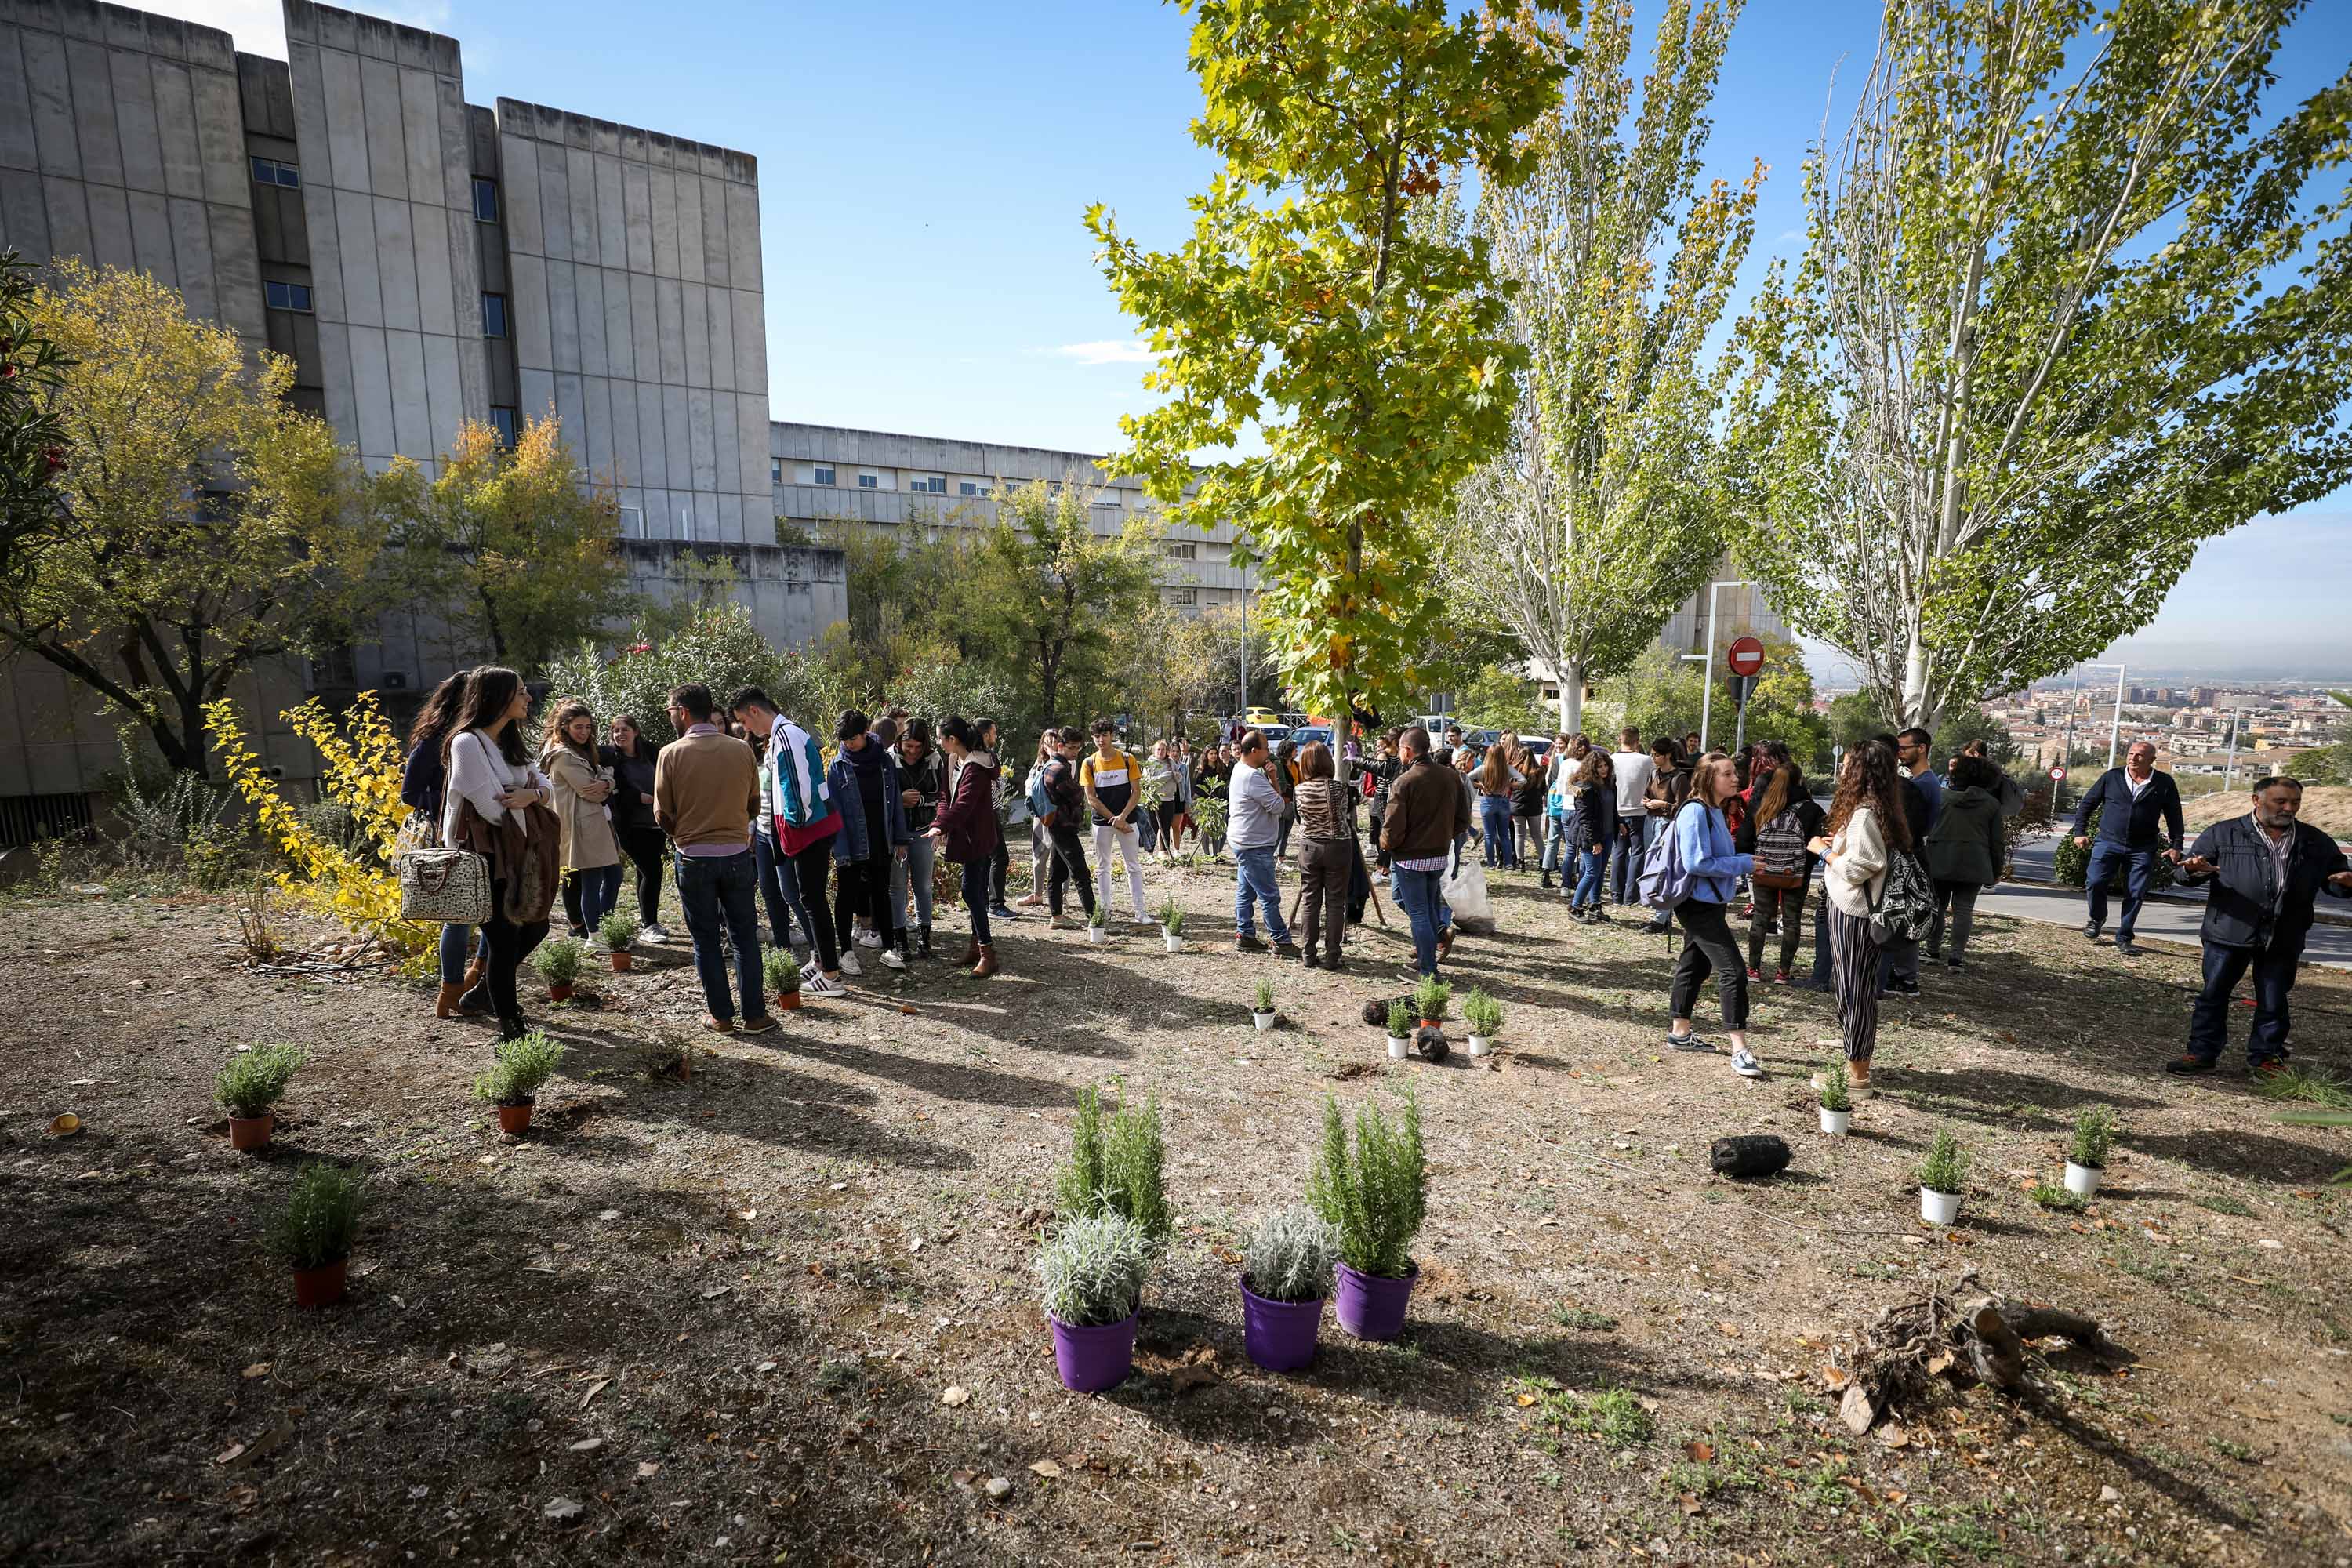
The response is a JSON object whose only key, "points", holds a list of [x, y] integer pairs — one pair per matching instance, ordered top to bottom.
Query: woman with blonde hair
{"points": [[1497, 782], [583, 783]]}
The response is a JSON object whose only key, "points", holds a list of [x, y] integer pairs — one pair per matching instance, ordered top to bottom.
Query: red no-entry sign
{"points": [[1746, 655]]}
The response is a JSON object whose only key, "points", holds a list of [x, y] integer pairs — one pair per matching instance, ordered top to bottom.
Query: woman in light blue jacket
{"points": [[1703, 845]]}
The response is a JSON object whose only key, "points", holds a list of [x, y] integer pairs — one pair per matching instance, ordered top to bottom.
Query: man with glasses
{"points": [[1254, 808]]}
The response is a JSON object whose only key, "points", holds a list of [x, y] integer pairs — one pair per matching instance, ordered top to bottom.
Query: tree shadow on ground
{"points": [[2255, 1156]]}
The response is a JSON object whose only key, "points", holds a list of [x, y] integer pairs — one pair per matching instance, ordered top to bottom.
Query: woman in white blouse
{"points": [[490, 769], [1866, 825]]}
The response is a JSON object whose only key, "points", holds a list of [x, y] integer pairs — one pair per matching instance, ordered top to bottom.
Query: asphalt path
{"points": [[2171, 916]]}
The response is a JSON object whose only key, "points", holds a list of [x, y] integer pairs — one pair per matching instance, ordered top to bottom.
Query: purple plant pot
{"points": [[1371, 1306], [1280, 1335], [1093, 1358]]}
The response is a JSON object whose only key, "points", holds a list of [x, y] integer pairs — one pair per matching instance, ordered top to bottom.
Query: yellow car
{"points": [[1257, 716]]}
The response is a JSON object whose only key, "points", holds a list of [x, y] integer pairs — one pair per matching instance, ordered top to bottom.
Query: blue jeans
{"points": [[1494, 823], [1634, 836], [1556, 850], [2139, 865], [1254, 880], [1588, 881], [599, 892], [717, 892], [1416, 895], [456, 946], [2209, 1020]]}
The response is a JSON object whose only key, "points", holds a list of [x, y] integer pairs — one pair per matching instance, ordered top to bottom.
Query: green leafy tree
{"points": [[2070, 307], [1365, 348], [32, 449], [1602, 510], [204, 524], [514, 546], [1058, 600], [719, 647], [1662, 695], [1499, 697]]}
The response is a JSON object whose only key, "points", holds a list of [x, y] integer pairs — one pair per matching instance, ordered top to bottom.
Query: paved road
{"points": [[2173, 917]]}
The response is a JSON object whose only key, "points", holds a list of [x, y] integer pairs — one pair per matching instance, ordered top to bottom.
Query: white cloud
{"points": [[259, 26], [1110, 351]]}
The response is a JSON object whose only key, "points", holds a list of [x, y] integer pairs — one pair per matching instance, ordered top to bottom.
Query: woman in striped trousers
{"points": [[1866, 827]]}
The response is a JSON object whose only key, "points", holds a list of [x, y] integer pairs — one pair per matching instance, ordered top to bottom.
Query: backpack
{"points": [[1041, 804], [1781, 853], [1667, 877], [1906, 901]]}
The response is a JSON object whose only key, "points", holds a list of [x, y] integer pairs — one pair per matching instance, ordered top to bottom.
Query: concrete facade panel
{"points": [[92, 86], [48, 87], [345, 114], [176, 115], [135, 121], [381, 122], [420, 132], [220, 139], [18, 148], [580, 181], [519, 191], [555, 202], [663, 205], [637, 215], [23, 218], [612, 221], [110, 227], [690, 231], [356, 239], [150, 240], [396, 259], [744, 261], [716, 264], [204, 282], [721, 305], [436, 307], [670, 307], [588, 309], [562, 319], [645, 326], [694, 326], [532, 334], [620, 334], [372, 387], [444, 387], [538, 393], [621, 398], [338, 400], [570, 402], [411, 411], [676, 438], [593, 439], [653, 440]]}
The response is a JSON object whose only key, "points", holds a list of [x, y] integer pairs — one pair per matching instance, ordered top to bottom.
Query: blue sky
{"points": [[923, 167]]}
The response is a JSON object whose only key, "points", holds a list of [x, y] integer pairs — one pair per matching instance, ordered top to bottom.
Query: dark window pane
{"points": [[265, 172], [288, 175], [486, 200], [494, 315], [503, 420]]}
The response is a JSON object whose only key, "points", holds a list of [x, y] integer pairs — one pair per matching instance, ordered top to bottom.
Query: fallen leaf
{"points": [[65, 1126], [610, 1213], [747, 1213], [259, 1368], [1834, 1378], [595, 1389], [956, 1395], [1525, 1400], [1856, 1410], [1895, 1437], [587, 1445], [1699, 1453], [225, 1455], [646, 1467], [1045, 1467], [1689, 1503], [562, 1507]]}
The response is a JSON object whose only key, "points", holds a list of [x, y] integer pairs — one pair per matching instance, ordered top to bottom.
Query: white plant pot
{"points": [[1097, 936], [1175, 943], [1264, 1021], [1480, 1045], [1399, 1046], [1836, 1123], [2082, 1181], [1939, 1208]]}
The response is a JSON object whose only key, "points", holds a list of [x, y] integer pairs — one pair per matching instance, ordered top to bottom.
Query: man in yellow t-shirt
{"points": [[1113, 782]]}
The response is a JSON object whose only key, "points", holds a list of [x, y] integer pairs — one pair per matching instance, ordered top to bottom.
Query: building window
{"points": [[270, 172], [486, 201], [287, 296], [494, 316], [503, 420], [775, 470], [820, 476], [869, 481], [928, 485], [978, 487], [1108, 498], [633, 522], [1180, 552], [1182, 596], [334, 668]]}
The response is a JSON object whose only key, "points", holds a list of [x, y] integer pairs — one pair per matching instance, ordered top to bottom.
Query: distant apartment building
{"points": [[425, 261], [823, 475]]}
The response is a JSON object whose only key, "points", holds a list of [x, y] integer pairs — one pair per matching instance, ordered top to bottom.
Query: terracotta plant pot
{"points": [[623, 959], [559, 993], [787, 1001], [515, 1119], [247, 1135], [322, 1285]]}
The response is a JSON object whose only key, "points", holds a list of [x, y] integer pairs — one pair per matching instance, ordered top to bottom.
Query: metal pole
{"points": [[1706, 690], [1244, 709], [1740, 731], [2114, 731], [2230, 770]]}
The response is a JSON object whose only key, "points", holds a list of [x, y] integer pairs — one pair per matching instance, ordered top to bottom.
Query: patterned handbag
{"points": [[452, 886]]}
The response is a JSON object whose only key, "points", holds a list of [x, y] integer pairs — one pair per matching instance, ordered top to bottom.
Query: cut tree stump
{"points": [[1914, 1351]]}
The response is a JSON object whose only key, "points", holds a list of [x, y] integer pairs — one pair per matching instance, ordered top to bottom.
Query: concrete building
{"points": [[425, 261], [824, 476]]}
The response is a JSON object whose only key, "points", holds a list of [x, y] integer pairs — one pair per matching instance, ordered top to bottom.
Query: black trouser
{"points": [[647, 848], [1379, 856], [809, 865], [999, 865], [1069, 865], [1324, 867], [863, 888], [975, 897], [1960, 898], [572, 902], [1788, 906], [506, 944], [1707, 948]]}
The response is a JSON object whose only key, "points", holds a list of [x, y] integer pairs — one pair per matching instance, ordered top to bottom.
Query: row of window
{"points": [[272, 171], [497, 315], [923, 484]]}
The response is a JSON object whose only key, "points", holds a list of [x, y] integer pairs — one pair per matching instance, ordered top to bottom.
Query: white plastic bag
{"points": [[1465, 892]]}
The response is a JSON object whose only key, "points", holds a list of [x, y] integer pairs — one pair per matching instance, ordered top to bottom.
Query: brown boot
{"points": [[971, 954], [987, 964], [446, 1006]]}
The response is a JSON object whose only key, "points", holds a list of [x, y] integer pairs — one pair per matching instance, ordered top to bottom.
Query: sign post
{"points": [[1745, 657], [2057, 789]]}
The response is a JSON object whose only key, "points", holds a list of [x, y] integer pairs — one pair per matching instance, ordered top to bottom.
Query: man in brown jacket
{"points": [[705, 792], [1428, 810]]}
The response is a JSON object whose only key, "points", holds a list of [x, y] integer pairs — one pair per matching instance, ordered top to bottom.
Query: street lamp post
{"points": [[1706, 660], [2115, 729]]}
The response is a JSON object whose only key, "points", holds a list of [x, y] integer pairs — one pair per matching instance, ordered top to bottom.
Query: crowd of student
{"points": [[748, 812]]}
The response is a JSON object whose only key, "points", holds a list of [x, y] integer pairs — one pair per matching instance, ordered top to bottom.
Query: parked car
{"points": [[1306, 732]]}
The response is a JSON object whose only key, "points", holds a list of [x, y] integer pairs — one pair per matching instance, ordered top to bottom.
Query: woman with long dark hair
{"points": [[632, 761], [576, 771], [422, 781], [497, 805], [1781, 818], [1866, 829], [967, 830], [1596, 834], [1704, 839], [1327, 857]]}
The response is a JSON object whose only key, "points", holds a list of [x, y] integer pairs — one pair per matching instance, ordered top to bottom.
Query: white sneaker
{"points": [[1143, 920], [653, 933], [869, 937], [890, 959], [849, 964], [816, 984], [1743, 1063]]}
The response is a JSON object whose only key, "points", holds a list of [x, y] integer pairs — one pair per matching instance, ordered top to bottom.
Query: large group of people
{"points": [[749, 813]]}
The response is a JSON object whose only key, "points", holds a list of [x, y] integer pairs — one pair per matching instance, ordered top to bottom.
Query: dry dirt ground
{"points": [[717, 1321]]}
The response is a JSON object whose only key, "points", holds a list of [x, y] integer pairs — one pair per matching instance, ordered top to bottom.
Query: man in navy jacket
{"points": [[2139, 801], [2266, 869]]}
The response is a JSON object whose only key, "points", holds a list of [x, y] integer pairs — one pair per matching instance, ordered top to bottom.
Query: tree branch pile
{"points": [[1915, 1354]]}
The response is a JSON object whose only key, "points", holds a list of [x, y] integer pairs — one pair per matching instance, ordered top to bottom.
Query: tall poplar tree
{"points": [[2072, 305], [1367, 350]]}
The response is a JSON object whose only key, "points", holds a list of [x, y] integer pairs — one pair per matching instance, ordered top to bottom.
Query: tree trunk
{"points": [[1572, 696], [183, 748]]}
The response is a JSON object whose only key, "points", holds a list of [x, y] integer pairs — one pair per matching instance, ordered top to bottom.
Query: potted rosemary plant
{"points": [[1098, 924], [1172, 925], [619, 930], [558, 963], [783, 973], [1262, 1011], [1485, 1016], [1399, 1029], [524, 1064], [248, 1084], [1837, 1098], [2087, 1152], [1943, 1175], [1374, 1196], [314, 1232]]}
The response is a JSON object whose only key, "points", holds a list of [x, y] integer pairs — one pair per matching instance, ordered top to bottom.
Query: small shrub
{"points": [[1099, 916], [1172, 918], [619, 930], [558, 960], [783, 973], [1262, 996], [1430, 998], [1483, 1013], [1400, 1021], [524, 1064], [251, 1082], [1837, 1086], [2310, 1086], [2094, 1136], [1946, 1168], [1116, 1169], [2052, 1197], [1375, 1199], [320, 1219], [1290, 1256], [1093, 1269], [1583, 1318]]}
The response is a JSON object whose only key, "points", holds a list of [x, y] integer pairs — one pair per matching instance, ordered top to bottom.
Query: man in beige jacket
{"points": [[705, 792]]}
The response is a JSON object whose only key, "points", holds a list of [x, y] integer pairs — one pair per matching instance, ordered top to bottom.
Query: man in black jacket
{"points": [[2137, 801], [2266, 869]]}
